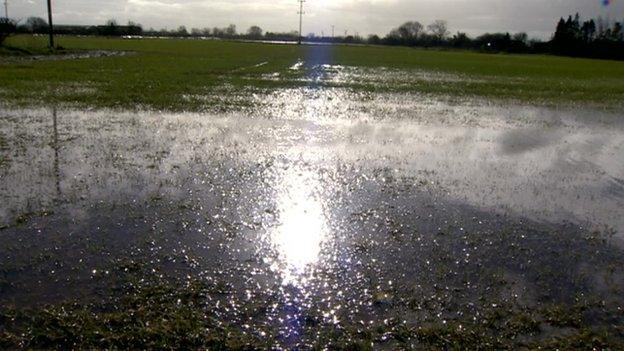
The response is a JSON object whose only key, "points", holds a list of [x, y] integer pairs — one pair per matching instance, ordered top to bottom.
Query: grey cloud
{"points": [[537, 17]]}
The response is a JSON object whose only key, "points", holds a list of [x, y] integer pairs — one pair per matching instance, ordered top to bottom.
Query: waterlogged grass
{"points": [[159, 73], [154, 314], [164, 318]]}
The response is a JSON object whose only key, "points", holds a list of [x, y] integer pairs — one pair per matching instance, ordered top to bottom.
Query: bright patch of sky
{"points": [[536, 17]]}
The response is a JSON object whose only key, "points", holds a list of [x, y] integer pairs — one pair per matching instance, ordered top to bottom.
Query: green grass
{"points": [[159, 73]]}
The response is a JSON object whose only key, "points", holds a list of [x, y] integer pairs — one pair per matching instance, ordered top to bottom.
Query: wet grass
{"points": [[25, 47], [163, 72], [4, 152], [152, 314]]}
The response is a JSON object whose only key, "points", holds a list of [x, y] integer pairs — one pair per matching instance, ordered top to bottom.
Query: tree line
{"points": [[572, 37], [591, 38]]}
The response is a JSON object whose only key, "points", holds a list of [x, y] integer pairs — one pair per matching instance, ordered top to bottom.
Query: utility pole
{"points": [[6, 8], [301, 20], [50, 24], [333, 28]]}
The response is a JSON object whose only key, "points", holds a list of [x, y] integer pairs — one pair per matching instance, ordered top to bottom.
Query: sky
{"points": [[363, 17]]}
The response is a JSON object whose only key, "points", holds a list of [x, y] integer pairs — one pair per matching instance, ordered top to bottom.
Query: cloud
{"points": [[537, 17]]}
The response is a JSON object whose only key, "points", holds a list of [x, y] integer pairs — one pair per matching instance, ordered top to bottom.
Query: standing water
{"points": [[319, 217]]}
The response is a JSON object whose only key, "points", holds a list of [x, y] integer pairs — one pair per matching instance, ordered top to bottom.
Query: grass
{"points": [[159, 73], [163, 316]]}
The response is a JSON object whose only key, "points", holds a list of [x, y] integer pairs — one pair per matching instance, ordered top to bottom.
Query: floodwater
{"points": [[67, 56], [318, 207]]}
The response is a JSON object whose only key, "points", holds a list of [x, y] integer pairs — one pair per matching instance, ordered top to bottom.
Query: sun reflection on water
{"points": [[302, 225]]}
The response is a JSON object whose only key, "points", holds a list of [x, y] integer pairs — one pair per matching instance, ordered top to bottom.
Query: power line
{"points": [[300, 20]]}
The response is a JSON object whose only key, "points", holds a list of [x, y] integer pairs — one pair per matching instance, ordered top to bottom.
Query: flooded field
{"points": [[324, 216], [314, 218]]}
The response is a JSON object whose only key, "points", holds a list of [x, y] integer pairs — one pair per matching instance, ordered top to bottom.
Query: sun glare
{"points": [[303, 226]]}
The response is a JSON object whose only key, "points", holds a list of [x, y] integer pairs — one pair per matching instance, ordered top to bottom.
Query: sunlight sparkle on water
{"points": [[302, 227]]}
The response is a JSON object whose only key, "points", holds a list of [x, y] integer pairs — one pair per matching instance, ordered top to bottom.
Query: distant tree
{"points": [[36, 24], [135, 24], [575, 26], [602, 26], [7, 28], [111, 28], [133, 28], [438, 29], [230, 30], [410, 30], [561, 30], [589, 30], [568, 31], [182, 32], [196, 32], [218, 32], [254, 32], [394, 34], [406, 34], [617, 34], [290, 36], [521, 37], [349, 39], [374, 39], [461, 40], [493, 42], [519, 43]]}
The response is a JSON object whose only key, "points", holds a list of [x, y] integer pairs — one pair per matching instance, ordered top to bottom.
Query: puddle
{"points": [[60, 57], [297, 66], [251, 67], [311, 72], [318, 208]]}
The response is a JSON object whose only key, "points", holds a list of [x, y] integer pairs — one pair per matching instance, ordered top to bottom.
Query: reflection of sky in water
{"points": [[302, 227]]}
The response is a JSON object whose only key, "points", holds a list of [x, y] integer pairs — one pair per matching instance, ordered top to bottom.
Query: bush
{"points": [[7, 27]]}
